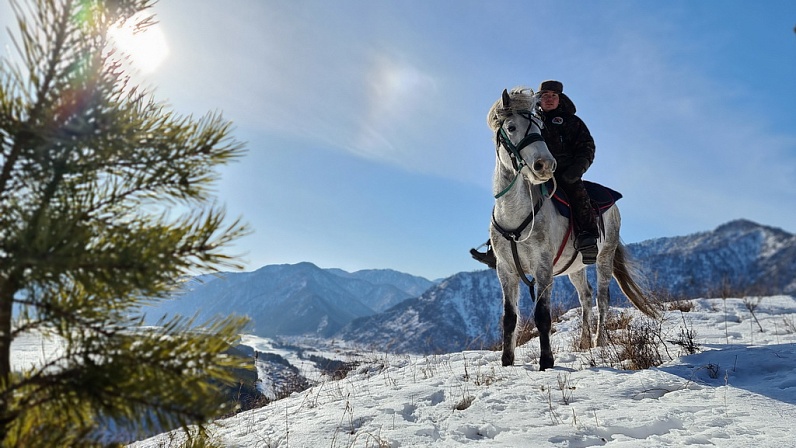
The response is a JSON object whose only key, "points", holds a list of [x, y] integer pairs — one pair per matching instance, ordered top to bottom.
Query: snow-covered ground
{"points": [[33, 350], [296, 355], [738, 391]]}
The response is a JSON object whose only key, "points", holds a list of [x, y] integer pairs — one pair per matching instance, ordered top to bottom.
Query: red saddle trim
{"points": [[563, 243]]}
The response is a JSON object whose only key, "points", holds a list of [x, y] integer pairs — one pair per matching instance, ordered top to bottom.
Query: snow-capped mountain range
{"points": [[740, 257], [289, 300], [404, 313]]}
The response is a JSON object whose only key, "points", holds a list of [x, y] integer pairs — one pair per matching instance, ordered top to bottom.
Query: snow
{"points": [[34, 349], [307, 368], [738, 391]]}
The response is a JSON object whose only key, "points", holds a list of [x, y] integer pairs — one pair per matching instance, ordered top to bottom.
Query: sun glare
{"points": [[146, 49]]}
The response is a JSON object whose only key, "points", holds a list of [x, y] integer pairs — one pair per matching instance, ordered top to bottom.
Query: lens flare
{"points": [[146, 49]]}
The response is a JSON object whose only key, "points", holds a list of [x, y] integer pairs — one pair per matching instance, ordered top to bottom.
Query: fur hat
{"points": [[555, 86], [565, 105]]}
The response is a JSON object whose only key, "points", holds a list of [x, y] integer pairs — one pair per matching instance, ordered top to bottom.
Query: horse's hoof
{"points": [[508, 359], [545, 363]]}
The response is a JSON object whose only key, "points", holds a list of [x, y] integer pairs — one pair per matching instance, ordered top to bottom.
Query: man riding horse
{"points": [[572, 145]]}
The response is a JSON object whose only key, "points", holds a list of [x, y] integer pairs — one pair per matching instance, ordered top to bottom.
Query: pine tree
{"points": [[105, 204]]}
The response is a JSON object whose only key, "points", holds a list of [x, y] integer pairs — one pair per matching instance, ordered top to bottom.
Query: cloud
{"points": [[399, 100]]}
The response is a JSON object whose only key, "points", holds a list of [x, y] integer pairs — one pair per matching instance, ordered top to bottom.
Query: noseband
{"points": [[529, 138]]}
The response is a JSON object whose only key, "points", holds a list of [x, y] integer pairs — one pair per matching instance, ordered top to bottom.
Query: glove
{"points": [[572, 174]]}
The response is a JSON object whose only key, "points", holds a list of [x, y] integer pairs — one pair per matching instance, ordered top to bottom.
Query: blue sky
{"points": [[365, 120]]}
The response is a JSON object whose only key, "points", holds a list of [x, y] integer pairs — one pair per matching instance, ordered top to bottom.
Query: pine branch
{"points": [[90, 168]]}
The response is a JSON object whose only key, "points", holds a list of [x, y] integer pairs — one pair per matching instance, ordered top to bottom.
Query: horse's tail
{"points": [[623, 272]]}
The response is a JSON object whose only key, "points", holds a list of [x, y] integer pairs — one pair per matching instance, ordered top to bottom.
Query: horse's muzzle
{"points": [[543, 168]]}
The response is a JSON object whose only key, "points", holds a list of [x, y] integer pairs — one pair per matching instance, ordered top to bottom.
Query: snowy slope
{"points": [[739, 391]]}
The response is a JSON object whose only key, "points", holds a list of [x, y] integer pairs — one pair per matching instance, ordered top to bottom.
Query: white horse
{"points": [[528, 233]]}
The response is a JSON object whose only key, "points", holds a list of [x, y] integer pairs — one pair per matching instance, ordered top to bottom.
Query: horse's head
{"points": [[518, 131]]}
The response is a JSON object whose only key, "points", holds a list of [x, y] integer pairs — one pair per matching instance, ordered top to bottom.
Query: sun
{"points": [[146, 49]]}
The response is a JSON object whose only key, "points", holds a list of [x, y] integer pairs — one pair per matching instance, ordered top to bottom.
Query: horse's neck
{"points": [[518, 202]]}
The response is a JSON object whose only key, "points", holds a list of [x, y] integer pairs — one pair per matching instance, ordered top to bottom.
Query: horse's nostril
{"points": [[538, 166]]}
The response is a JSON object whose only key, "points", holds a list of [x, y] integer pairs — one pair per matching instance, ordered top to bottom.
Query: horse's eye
{"points": [[512, 128]]}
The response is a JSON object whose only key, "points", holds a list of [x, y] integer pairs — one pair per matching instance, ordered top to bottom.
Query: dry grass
{"points": [[682, 305], [619, 321], [790, 324], [637, 343], [638, 346]]}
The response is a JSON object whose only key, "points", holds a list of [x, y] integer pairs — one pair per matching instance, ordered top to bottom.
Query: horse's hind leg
{"points": [[605, 264], [585, 293], [511, 296]]}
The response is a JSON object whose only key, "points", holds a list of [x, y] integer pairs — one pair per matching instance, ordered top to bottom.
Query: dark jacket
{"points": [[568, 138]]}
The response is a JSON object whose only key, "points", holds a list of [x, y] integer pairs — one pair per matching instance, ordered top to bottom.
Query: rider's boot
{"points": [[586, 223], [488, 257]]}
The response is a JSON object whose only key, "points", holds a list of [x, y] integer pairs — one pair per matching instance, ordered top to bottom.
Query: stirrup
{"points": [[588, 249], [588, 254], [488, 257]]}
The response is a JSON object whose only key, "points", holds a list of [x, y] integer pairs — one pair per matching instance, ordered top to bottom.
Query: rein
{"points": [[514, 235]]}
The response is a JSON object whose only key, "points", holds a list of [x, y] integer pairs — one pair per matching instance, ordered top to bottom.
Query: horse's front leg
{"points": [[511, 296], [543, 320]]}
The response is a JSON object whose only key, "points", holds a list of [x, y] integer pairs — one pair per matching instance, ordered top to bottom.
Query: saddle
{"points": [[602, 198]]}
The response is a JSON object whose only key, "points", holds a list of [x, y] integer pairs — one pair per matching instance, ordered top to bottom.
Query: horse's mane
{"points": [[522, 99]]}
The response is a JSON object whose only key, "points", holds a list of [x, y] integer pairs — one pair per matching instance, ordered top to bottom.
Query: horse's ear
{"points": [[506, 99]]}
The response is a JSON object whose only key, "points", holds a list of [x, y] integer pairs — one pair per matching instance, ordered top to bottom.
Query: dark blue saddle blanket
{"points": [[602, 198]]}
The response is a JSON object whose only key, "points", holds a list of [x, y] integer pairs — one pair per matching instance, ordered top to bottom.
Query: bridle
{"points": [[502, 140], [517, 161]]}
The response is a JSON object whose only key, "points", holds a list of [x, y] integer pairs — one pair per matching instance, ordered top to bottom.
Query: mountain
{"points": [[738, 258], [389, 287], [284, 300], [384, 308], [461, 312]]}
